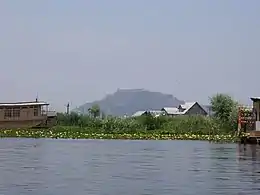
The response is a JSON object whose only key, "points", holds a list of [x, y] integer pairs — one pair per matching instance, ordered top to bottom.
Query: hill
{"points": [[129, 101]]}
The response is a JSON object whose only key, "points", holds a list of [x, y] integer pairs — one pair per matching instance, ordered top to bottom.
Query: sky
{"points": [[79, 51]]}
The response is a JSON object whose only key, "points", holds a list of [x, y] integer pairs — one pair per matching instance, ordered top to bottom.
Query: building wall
{"points": [[256, 106], [196, 110], [26, 113], [19, 124]]}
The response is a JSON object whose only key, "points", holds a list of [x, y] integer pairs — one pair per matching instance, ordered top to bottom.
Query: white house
{"points": [[189, 108], [154, 113]]}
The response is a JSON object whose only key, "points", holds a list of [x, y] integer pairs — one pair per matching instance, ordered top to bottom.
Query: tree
{"points": [[223, 106], [225, 110], [94, 111], [103, 115], [233, 117]]}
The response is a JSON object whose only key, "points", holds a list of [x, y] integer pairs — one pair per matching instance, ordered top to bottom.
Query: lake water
{"points": [[98, 167]]}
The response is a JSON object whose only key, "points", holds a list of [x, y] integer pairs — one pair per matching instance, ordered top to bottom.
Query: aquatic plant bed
{"points": [[131, 136]]}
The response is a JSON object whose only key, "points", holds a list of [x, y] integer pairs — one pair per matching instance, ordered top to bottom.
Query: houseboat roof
{"points": [[255, 99], [38, 103]]}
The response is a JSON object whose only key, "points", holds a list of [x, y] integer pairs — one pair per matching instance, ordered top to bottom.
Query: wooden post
{"points": [[68, 108], [239, 121]]}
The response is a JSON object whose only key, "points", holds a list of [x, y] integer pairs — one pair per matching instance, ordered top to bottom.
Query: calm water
{"points": [[80, 167]]}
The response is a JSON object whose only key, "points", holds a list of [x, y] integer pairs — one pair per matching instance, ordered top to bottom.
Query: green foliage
{"points": [[222, 105], [225, 110], [94, 111], [233, 117], [224, 121], [149, 122], [163, 124], [194, 124], [75, 126], [71, 132]]}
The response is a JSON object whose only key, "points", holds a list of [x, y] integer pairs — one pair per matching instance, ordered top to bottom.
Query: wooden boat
{"points": [[26, 115]]}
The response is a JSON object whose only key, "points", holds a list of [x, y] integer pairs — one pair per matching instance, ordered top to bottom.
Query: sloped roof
{"points": [[255, 98], [38, 103], [187, 106], [171, 110], [153, 112], [156, 112], [139, 113]]}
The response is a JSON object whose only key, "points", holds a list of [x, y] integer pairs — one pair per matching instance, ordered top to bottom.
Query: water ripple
{"points": [[99, 167]]}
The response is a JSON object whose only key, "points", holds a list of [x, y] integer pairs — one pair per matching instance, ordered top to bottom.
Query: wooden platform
{"points": [[254, 133], [252, 138]]}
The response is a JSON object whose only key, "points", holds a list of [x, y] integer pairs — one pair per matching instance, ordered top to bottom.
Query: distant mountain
{"points": [[129, 101]]}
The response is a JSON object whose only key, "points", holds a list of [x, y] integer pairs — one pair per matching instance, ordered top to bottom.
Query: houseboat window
{"points": [[8, 113], [16, 113], [36, 113]]}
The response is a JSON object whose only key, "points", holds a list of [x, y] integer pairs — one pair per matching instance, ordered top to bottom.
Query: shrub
{"points": [[162, 124]]}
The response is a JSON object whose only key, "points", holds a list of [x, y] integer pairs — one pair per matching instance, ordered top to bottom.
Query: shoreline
{"points": [[52, 134]]}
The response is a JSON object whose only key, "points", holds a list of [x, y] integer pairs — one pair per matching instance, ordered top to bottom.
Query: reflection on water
{"points": [[249, 152], [249, 161], [65, 167]]}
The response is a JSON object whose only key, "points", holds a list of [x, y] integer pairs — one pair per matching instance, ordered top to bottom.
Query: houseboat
{"points": [[33, 114], [249, 122]]}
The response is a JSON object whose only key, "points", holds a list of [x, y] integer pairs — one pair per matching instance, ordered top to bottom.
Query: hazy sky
{"points": [[80, 50]]}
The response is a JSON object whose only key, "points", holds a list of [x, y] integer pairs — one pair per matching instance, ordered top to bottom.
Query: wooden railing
{"points": [[48, 113]]}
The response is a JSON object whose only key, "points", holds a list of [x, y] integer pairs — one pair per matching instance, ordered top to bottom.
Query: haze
{"points": [[81, 50]]}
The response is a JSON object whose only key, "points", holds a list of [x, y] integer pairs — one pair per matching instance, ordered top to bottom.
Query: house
{"points": [[189, 108], [208, 109], [256, 110], [170, 111], [139, 113], [154, 113], [26, 115], [249, 122]]}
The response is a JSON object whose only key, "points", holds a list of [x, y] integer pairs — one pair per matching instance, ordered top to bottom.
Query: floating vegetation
{"points": [[77, 133]]}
